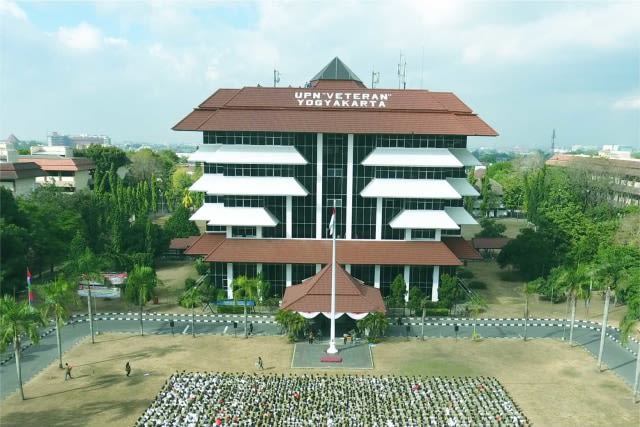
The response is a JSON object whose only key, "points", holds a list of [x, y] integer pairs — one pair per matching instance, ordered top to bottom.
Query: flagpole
{"points": [[332, 342]]}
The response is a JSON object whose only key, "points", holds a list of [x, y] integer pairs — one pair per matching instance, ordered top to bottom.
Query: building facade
{"points": [[277, 161]]}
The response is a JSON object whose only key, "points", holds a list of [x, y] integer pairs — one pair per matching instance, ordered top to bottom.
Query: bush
{"points": [[202, 267], [464, 273], [189, 283], [477, 284], [230, 309], [437, 312]]}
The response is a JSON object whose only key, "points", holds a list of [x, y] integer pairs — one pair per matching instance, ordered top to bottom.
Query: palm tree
{"points": [[574, 282], [140, 284], [245, 289], [529, 289], [58, 297], [192, 298], [476, 304], [17, 319], [290, 322], [375, 323]]}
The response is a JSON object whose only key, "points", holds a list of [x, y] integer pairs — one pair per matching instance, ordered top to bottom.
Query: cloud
{"points": [[12, 9], [601, 26], [86, 38], [628, 103]]}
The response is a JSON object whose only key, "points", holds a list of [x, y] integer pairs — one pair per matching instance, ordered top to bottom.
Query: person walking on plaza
{"points": [[251, 328], [259, 363], [127, 368], [67, 371]]}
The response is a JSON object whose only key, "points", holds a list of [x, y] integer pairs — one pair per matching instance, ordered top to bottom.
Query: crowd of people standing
{"points": [[258, 399]]}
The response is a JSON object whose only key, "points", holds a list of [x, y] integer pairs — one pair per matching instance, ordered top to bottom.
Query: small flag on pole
{"points": [[332, 223], [29, 286]]}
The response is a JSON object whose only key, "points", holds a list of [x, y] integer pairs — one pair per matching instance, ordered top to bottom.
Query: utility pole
{"points": [[276, 77], [375, 78]]}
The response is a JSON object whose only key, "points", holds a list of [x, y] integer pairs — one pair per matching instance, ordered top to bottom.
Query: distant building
{"points": [[76, 141], [8, 153], [277, 160], [68, 173], [622, 176], [20, 178]]}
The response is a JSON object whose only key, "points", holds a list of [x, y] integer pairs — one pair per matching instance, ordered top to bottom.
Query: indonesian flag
{"points": [[332, 223], [31, 298]]}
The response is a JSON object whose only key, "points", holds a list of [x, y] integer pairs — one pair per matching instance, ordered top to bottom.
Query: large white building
{"points": [[277, 160]]}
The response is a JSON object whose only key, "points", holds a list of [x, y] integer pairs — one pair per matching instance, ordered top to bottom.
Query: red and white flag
{"points": [[332, 223]]}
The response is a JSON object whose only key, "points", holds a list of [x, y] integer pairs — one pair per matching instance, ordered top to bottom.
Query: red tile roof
{"points": [[277, 109], [55, 164], [13, 171], [183, 242], [206, 243], [462, 248], [315, 251], [314, 294]]}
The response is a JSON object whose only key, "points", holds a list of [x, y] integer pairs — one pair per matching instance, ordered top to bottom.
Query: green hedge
{"points": [[477, 284], [230, 309], [437, 312]]}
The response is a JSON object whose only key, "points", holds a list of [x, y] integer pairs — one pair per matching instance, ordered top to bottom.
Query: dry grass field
{"points": [[554, 384]]}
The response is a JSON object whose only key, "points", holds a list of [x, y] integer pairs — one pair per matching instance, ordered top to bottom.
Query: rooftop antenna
{"points": [[402, 72], [276, 77], [375, 78], [553, 141]]}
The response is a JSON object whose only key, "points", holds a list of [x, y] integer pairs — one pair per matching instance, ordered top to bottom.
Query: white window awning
{"points": [[248, 154], [412, 157], [465, 157], [216, 184], [463, 187], [410, 189], [217, 214], [460, 215], [423, 219]]}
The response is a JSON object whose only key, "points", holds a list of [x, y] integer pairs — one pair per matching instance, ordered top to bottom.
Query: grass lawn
{"points": [[554, 384]]}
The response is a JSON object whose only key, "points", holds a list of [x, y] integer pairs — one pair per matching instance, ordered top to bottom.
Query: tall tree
{"points": [[179, 225], [574, 281], [140, 285], [245, 289], [529, 289], [192, 298], [57, 299], [18, 319], [373, 325]]}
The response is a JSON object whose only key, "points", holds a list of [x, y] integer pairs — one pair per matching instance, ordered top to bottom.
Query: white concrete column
{"points": [[319, 186], [349, 212], [379, 218], [289, 220], [229, 232], [258, 232], [407, 234], [438, 234], [258, 268], [318, 268], [347, 268], [289, 274], [376, 277], [407, 279], [229, 280], [436, 283]]}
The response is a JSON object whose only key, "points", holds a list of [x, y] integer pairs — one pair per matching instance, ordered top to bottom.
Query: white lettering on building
{"points": [[341, 99]]}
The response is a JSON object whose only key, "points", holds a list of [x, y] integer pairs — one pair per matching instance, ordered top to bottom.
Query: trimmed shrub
{"points": [[464, 273], [189, 283], [477, 284], [231, 309]]}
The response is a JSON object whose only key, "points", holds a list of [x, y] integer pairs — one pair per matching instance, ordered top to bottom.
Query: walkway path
{"points": [[619, 359]]}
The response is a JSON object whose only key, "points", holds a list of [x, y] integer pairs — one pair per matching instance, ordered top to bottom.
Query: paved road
{"points": [[35, 358]]}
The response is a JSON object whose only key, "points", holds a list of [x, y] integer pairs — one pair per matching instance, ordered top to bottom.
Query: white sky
{"points": [[133, 69]]}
